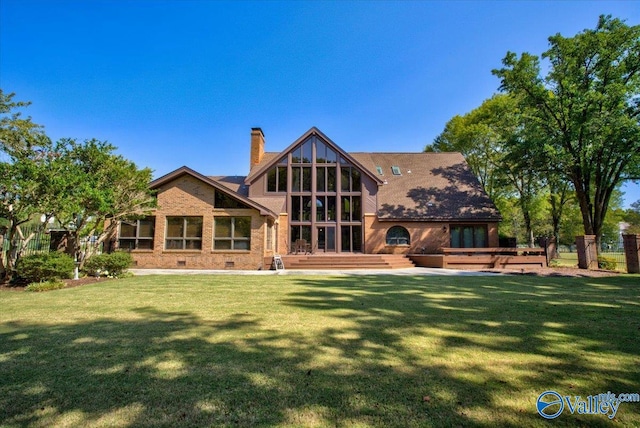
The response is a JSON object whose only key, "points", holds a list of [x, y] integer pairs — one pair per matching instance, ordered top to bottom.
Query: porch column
{"points": [[587, 252], [632, 252]]}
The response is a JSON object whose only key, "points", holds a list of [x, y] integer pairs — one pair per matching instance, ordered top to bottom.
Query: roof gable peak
{"points": [[313, 131], [185, 170]]}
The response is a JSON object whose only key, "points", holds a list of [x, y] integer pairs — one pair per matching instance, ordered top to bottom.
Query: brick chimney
{"points": [[257, 146]]}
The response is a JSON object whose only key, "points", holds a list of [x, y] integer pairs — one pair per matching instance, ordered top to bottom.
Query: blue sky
{"points": [[174, 83]]}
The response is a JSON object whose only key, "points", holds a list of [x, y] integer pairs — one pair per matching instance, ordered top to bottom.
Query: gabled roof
{"points": [[271, 158], [232, 182], [231, 186], [432, 186]]}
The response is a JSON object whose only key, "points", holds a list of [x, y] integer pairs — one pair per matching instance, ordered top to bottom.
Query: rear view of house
{"points": [[312, 197]]}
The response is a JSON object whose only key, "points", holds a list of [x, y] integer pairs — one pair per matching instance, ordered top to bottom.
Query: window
{"points": [[306, 151], [324, 154], [379, 169], [396, 170], [277, 179], [295, 179], [306, 179], [321, 179], [331, 179], [349, 179], [301, 181], [324, 197], [222, 200], [301, 208], [326, 208], [350, 208], [300, 232], [184, 233], [232, 233], [138, 234], [270, 234], [398, 235], [469, 236], [351, 238]]}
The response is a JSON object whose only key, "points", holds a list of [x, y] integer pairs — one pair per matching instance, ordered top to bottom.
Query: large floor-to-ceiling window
{"points": [[324, 197]]}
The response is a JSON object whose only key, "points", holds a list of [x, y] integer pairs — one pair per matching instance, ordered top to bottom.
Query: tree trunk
{"points": [[559, 195], [582, 195], [527, 224], [12, 254], [3, 271]]}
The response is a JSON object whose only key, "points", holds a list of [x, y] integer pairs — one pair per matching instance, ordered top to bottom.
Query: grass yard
{"points": [[317, 351]]}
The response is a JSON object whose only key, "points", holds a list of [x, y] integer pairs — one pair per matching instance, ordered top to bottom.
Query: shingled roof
{"points": [[430, 186]]}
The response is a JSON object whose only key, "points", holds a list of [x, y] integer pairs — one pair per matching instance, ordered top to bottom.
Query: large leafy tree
{"points": [[587, 107], [502, 150], [24, 153], [85, 185], [96, 188]]}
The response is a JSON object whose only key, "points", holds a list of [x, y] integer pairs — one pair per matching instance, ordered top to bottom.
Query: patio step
{"points": [[347, 261]]}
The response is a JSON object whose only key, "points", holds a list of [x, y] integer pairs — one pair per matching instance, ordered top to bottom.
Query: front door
{"points": [[326, 238]]}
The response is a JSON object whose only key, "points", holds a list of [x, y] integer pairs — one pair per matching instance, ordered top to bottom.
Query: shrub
{"points": [[607, 263], [113, 264], [45, 267], [54, 284]]}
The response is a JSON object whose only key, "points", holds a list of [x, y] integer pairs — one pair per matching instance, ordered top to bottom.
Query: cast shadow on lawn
{"points": [[565, 323], [174, 368]]}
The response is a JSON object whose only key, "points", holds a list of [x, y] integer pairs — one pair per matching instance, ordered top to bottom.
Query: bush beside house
{"points": [[112, 265], [45, 267]]}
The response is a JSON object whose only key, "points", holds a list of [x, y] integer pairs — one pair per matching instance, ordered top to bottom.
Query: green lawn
{"points": [[316, 351]]}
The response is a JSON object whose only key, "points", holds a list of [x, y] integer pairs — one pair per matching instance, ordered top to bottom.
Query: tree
{"points": [[588, 108], [25, 150], [502, 150], [95, 189], [560, 194]]}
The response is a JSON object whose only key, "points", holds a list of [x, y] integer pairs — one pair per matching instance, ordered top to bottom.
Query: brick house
{"points": [[316, 194]]}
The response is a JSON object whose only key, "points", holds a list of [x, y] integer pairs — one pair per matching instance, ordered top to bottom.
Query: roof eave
{"points": [[441, 219]]}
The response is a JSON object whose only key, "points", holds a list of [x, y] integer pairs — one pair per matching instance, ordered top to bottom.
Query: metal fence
{"points": [[41, 243], [616, 254]]}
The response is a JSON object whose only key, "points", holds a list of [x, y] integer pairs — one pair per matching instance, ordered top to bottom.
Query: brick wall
{"points": [[188, 196], [430, 236]]}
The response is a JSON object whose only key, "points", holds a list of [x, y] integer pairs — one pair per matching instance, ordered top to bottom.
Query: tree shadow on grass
{"points": [[576, 336], [368, 366], [173, 368]]}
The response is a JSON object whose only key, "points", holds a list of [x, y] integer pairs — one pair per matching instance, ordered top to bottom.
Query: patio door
{"points": [[326, 239]]}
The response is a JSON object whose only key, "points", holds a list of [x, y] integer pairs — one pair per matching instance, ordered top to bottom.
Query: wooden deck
{"points": [[483, 258], [346, 261]]}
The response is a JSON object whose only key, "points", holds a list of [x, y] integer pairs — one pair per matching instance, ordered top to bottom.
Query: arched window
{"points": [[398, 235]]}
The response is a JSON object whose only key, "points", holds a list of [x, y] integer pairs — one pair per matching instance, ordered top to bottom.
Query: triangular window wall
{"points": [[324, 194]]}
